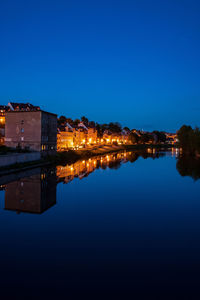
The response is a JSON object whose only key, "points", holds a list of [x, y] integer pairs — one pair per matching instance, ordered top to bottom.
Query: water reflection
{"points": [[188, 166], [81, 169], [34, 193]]}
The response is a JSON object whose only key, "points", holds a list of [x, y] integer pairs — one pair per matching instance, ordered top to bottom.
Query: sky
{"points": [[135, 62]]}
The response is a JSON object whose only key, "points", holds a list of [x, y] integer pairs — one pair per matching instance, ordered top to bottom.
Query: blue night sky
{"points": [[136, 62]]}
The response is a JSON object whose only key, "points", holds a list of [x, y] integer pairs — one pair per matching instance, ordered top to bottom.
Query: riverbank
{"points": [[71, 156]]}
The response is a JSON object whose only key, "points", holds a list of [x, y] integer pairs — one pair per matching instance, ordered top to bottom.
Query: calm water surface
{"points": [[123, 224]]}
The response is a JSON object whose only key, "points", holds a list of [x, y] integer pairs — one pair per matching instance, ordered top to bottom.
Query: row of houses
{"points": [[26, 126], [78, 136], [81, 136]]}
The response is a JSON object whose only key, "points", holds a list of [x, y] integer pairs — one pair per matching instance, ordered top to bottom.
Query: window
{"points": [[22, 122], [22, 130]]}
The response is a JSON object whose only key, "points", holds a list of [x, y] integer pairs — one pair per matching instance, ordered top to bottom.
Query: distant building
{"points": [[35, 130], [71, 136], [65, 138], [119, 138], [171, 138]]}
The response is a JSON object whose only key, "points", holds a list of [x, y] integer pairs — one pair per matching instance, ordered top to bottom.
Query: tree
{"points": [[61, 120], [85, 120], [70, 121], [76, 122], [91, 123], [115, 127], [126, 129], [160, 136], [185, 137], [133, 138], [146, 138]]}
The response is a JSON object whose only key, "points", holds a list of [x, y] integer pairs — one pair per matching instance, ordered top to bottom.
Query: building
{"points": [[13, 106], [3, 109], [34, 130], [92, 135], [70, 137], [65, 138], [171, 138]]}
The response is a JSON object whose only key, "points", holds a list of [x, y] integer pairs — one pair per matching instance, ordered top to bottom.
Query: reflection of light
{"points": [[149, 150], [83, 161], [72, 168]]}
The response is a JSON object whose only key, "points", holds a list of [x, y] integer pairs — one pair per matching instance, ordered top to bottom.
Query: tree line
{"points": [[189, 139]]}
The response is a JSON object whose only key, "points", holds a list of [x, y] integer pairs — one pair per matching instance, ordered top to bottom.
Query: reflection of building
{"points": [[34, 130], [81, 169], [33, 194]]}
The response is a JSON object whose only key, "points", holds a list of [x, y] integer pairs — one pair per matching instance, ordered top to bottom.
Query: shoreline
{"points": [[71, 156]]}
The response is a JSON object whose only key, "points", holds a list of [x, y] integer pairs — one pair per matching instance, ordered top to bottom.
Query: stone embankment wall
{"points": [[11, 159]]}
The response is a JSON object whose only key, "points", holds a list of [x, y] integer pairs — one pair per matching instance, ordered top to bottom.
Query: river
{"points": [[125, 224]]}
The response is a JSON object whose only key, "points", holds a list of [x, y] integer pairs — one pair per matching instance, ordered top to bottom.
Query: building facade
{"points": [[33, 130], [72, 137]]}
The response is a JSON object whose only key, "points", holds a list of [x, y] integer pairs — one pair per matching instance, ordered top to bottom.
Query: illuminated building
{"points": [[34, 130], [72, 137]]}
